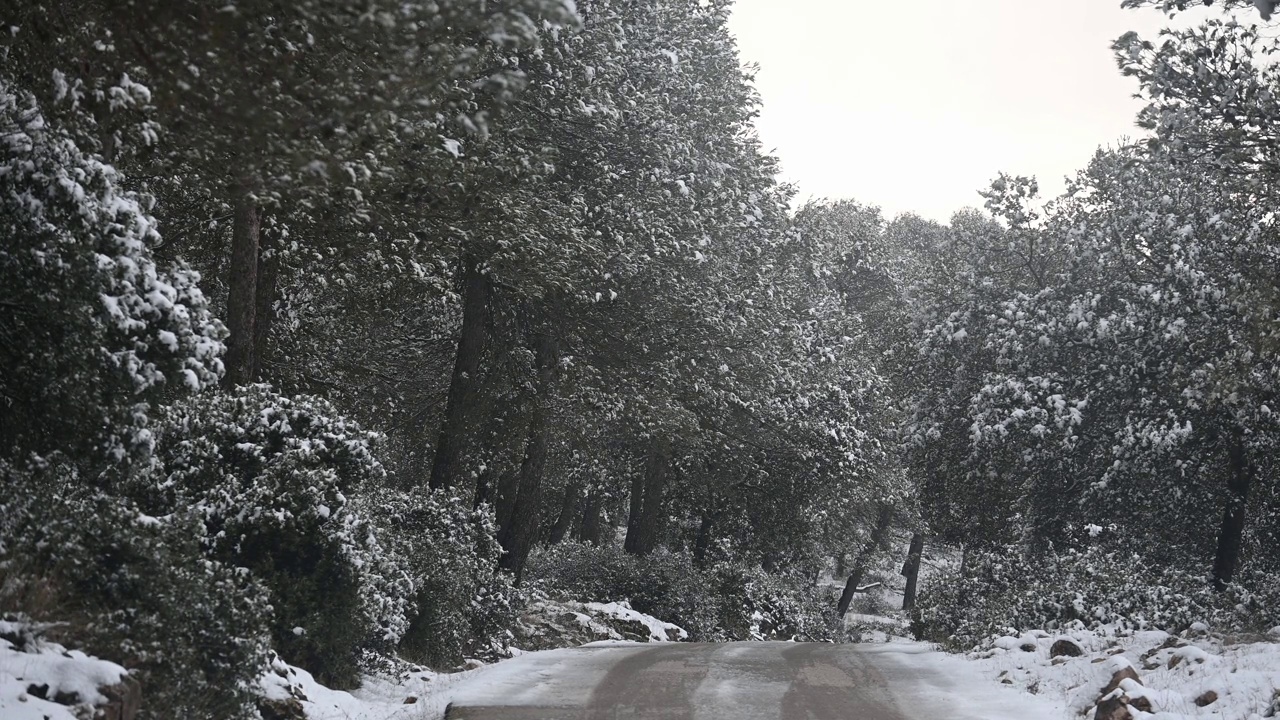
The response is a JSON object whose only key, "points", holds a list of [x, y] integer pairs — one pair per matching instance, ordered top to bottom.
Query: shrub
{"points": [[92, 330], [269, 479], [665, 585], [134, 589], [1004, 592], [729, 601], [457, 602], [789, 607]]}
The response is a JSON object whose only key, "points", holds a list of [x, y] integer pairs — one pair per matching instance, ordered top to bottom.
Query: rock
{"points": [[1027, 647], [1062, 647], [1058, 661], [1095, 661], [1173, 661], [1125, 673], [1006, 681], [1208, 698], [124, 699], [410, 700], [1141, 703], [287, 709], [1113, 709]]}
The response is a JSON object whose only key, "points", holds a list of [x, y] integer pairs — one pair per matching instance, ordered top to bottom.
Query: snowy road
{"points": [[742, 681]]}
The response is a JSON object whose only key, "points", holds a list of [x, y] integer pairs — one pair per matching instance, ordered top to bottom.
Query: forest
{"points": [[334, 331]]}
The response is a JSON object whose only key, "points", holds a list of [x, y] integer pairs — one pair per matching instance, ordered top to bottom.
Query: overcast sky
{"points": [[916, 106]]}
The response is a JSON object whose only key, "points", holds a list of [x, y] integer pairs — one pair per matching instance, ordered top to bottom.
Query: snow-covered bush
{"points": [[91, 330], [92, 335], [269, 479], [665, 585], [133, 588], [1002, 592], [730, 601], [456, 603], [774, 606]]}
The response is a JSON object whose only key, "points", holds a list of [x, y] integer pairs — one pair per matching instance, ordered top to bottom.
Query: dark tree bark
{"points": [[242, 290], [264, 305], [466, 368], [484, 489], [505, 496], [568, 510], [644, 521], [520, 530], [591, 530], [1231, 534], [878, 536], [702, 543], [911, 570]]}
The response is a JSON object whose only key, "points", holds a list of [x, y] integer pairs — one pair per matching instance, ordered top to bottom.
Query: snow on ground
{"points": [[32, 669], [1233, 681], [928, 683], [422, 695]]}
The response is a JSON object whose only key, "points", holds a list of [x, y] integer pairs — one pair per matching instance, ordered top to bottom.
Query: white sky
{"points": [[916, 106]]}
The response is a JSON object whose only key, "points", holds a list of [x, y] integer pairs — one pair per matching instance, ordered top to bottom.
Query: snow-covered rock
{"points": [[548, 624], [659, 631]]}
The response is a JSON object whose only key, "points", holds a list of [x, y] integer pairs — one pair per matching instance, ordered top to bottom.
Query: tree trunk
{"points": [[242, 289], [264, 313], [466, 368], [484, 489], [505, 499], [568, 509], [644, 522], [520, 530], [591, 530], [1231, 534], [878, 535], [702, 543], [911, 570]]}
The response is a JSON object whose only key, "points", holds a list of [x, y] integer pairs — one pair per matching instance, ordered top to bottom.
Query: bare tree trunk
{"points": [[242, 289], [466, 368], [568, 509], [644, 522], [591, 530], [520, 531], [1231, 534], [878, 536], [911, 570]]}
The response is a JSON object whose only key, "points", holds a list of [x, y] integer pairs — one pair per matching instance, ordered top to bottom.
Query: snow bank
{"points": [[547, 624], [659, 631], [34, 672], [1193, 675], [928, 683], [422, 695]]}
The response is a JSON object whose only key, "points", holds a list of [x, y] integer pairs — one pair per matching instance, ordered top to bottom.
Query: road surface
{"points": [[740, 681]]}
